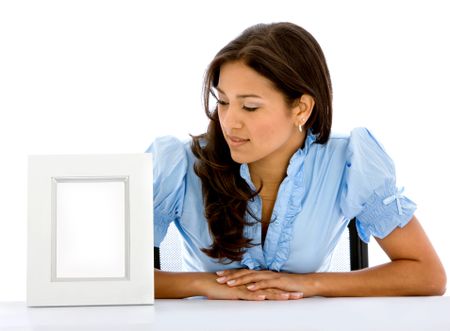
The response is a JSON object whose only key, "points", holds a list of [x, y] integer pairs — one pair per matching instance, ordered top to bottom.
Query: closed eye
{"points": [[221, 102], [224, 103], [247, 108]]}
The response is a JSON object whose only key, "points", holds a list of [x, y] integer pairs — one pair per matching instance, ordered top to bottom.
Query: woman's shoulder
{"points": [[345, 136], [359, 136], [169, 143], [345, 147], [170, 154]]}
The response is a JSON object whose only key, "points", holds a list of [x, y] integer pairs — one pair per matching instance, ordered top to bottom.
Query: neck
{"points": [[272, 169]]}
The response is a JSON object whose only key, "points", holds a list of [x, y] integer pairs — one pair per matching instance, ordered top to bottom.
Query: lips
{"points": [[235, 141]]}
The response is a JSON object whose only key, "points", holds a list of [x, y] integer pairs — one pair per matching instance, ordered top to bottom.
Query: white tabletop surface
{"points": [[400, 313]]}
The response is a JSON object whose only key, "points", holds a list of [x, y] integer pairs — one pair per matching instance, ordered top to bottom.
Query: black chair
{"points": [[359, 253], [359, 256]]}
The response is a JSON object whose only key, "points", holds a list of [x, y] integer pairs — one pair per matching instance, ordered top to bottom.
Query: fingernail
{"points": [[220, 273], [221, 279], [231, 282], [251, 287], [285, 295], [297, 295], [261, 297]]}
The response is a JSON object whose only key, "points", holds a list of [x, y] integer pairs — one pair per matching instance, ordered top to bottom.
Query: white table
{"points": [[401, 313]]}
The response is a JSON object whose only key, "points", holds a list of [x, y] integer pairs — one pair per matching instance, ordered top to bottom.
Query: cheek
{"points": [[271, 132]]}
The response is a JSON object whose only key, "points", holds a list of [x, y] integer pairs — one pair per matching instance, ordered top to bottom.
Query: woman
{"points": [[262, 198]]}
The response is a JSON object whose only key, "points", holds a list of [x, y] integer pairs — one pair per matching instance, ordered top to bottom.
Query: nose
{"points": [[231, 118]]}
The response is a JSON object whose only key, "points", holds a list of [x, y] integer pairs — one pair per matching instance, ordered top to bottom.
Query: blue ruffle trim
{"points": [[278, 239]]}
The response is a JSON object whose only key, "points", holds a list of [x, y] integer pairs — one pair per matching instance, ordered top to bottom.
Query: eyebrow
{"points": [[240, 96]]}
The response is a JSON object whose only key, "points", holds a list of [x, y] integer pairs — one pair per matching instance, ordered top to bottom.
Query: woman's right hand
{"points": [[216, 291]]}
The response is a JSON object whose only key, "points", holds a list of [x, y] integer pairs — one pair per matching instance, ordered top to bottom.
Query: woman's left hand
{"points": [[265, 279]]}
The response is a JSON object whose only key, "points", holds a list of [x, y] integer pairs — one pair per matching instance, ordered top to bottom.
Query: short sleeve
{"points": [[169, 173], [369, 192]]}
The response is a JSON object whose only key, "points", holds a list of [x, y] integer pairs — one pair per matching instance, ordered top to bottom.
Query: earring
{"points": [[300, 126]]}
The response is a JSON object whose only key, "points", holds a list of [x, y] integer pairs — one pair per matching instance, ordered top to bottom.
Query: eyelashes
{"points": [[224, 103], [246, 108], [249, 108]]}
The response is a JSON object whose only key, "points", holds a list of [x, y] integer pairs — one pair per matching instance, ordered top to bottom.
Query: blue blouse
{"points": [[326, 186]]}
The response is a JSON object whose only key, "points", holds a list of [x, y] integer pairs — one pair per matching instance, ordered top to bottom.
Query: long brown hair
{"points": [[292, 59]]}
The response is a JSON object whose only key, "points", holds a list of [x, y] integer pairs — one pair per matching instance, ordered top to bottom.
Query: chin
{"points": [[240, 158]]}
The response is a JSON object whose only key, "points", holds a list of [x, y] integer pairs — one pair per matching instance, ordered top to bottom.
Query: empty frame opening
{"points": [[90, 228]]}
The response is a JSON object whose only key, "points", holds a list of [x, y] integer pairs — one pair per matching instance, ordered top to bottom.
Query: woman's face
{"points": [[256, 122]]}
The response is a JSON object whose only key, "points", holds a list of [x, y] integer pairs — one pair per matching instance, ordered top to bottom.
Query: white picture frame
{"points": [[90, 230]]}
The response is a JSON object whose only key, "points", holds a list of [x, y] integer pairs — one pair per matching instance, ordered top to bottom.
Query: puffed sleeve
{"points": [[169, 173], [369, 190]]}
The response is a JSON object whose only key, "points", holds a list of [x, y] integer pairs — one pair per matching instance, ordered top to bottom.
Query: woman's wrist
{"points": [[202, 283], [308, 284]]}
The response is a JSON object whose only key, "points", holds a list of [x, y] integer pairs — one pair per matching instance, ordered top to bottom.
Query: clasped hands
{"points": [[259, 285]]}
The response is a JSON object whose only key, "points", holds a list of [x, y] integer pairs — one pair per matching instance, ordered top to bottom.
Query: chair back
{"points": [[351, 253]]}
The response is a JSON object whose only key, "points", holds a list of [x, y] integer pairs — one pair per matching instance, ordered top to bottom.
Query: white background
{"points": [[109, 76]]}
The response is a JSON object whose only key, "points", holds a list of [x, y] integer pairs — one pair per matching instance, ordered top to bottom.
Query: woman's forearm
{"points": [[415, 269], [400, 277], [397, 278], [176, 285]]}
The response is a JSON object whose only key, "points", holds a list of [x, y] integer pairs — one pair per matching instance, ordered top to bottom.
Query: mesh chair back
{"points": [[351, 252]]}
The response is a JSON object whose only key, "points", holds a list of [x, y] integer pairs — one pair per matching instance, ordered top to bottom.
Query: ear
{"points": [[302, 109]]}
